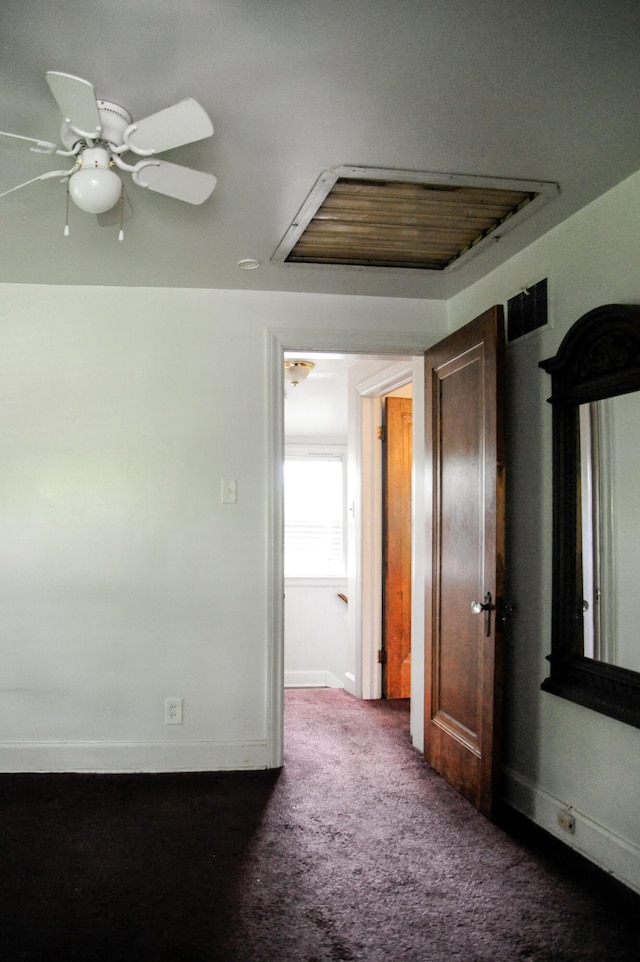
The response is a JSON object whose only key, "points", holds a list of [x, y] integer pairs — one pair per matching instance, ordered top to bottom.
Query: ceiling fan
{"points": [[98, 133]]}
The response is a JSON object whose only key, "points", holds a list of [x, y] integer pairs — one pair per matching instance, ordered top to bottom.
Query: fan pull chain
{"points": [[66, 226], [121, 234]]}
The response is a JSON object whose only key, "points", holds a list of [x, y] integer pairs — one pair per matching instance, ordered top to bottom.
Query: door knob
{"points": [[478, 607]]}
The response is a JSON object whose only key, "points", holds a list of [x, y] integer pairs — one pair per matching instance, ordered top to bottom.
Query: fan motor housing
{"points": [[114, 119]]}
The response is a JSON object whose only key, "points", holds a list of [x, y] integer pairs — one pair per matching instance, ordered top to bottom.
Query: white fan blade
{"points": [[76, 99], [183, 123], [41, 146], [49, 174], [192, 186], [114, 216]]}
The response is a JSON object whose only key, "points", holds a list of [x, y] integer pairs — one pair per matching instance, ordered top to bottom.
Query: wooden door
{"points": [[465, 525], [396, 601]]}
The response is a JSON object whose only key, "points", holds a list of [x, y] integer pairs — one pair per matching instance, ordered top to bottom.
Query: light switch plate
{"points": [[229, 492]]}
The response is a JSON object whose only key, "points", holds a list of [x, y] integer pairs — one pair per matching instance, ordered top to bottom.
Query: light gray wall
{"points": [[124, 579], [315, 633], [559, 754]]}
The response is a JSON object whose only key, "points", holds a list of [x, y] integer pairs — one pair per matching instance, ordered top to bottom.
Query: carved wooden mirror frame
{"points": [[598, 358]]}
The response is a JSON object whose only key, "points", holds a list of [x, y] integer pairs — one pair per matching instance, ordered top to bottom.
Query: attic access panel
{"points": [[370, 217]]}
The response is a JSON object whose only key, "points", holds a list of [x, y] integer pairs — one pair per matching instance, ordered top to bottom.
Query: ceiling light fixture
{"points": [[96, 133], [95, 187], [248, 264], [295, 372]]}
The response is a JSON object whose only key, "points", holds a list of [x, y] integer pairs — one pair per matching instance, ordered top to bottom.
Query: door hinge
{"points": [[381, 433], [382, 656]]}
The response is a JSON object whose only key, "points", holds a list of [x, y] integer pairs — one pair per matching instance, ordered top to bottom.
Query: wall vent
{"points": [[527, 311]]}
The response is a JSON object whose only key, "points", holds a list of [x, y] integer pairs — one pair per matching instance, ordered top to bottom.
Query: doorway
{"points": [[338, 412], [423, 570], [364, 578]]}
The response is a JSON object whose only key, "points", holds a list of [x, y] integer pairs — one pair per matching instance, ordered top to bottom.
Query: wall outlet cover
{"points": [[173, 711]]}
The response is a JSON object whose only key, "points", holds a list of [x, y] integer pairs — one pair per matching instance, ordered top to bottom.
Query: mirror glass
{"points": [[608, 505]]}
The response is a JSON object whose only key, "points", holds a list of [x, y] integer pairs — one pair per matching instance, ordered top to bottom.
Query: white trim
{"points": [[343, 340], [352, 341], [391, 379], [371, 391], [274, 437], [295, 441], [310, 450], [608, 515], [419, 550], [369, 640], [311, 679], [98, 756], [611, 852]]}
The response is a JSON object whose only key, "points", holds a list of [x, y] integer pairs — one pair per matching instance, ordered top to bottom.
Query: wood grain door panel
{"points": [[465, 493], [396, 602]]}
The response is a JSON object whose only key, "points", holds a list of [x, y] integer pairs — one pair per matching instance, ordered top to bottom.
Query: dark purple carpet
{"points": [[357, 850]]}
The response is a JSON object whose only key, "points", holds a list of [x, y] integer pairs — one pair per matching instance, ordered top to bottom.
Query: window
{"points": [[314, 514]]}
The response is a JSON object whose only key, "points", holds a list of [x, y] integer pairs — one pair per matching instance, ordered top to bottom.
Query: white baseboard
{"points": [[311, 679], [350, 683], [117, 757], [611, 852]]}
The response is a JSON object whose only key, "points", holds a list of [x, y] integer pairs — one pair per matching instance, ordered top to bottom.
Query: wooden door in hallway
{"points": [[465, 526], [396, 603]]}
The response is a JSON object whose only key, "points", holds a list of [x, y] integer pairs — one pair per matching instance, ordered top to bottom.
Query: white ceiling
{"points": [[539, 90], [317, 408]]}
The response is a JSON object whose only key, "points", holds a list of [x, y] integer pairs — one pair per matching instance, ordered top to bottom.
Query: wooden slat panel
{"points": [[416, 193], [360, 208], [424, 219], [402, 224], [327, 231], [359, 233], [375, 246], [372, 254], [418, 264]]}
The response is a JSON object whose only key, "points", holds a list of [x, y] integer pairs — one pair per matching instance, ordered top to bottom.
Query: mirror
{"points": [[609, 522], [595, 643]]}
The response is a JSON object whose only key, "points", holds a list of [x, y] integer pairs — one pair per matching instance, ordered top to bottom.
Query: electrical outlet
{"points": [[173, 711], [566, 821]]}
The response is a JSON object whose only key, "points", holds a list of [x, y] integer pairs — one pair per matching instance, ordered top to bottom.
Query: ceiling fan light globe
{"points": [[95, 189]]}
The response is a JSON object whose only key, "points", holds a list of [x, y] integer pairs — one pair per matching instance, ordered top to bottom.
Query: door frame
{"points": [[344, 341]]}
